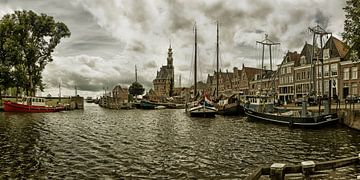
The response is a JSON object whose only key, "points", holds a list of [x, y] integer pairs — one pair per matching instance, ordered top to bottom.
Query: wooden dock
{"points": [[278, 171]]}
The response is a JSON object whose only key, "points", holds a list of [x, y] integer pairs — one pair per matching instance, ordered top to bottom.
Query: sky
{"points": [[109, 37]]}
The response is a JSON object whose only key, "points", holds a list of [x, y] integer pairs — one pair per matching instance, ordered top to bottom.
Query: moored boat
{"points": [[31, 105], [147, 105], [230, 107], [204, 109], [263, 110]]}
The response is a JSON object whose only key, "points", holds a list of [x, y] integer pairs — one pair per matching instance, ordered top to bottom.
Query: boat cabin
{"points": [[34, 101], [260, 103]]}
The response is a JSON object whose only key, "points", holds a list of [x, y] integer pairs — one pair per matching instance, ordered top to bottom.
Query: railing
{"points": [[277, 171]]}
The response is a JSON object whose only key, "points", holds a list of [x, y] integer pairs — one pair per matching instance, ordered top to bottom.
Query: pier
{"points": [[306, 169]]}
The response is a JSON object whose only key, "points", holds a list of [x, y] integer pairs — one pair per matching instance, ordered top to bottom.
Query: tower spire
{"points": [[170, 58]]}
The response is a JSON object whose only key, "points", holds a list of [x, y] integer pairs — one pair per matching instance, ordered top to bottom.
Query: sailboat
{"points": [[229, 106], [204, 107], [261, 107]]}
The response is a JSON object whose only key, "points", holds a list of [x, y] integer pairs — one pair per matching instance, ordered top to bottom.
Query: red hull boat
{"points": [[16, 107]]}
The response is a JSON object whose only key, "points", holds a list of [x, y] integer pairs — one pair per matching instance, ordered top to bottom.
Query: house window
{"points": [[326, 54], [302, 60], [333, 69], [289, 70], [326, 70], [319, 71], [354, 72], [346, 74], [326, 87], [354, 89]]}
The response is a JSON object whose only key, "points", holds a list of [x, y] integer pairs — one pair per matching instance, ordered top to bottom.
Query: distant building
{"points": [[302, 71], [285, 74], [164, 81], [237, 81], [120, 94]]}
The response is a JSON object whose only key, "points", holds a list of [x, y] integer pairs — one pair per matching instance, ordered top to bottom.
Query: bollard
{"points": [[308, 168], [277, 171]]}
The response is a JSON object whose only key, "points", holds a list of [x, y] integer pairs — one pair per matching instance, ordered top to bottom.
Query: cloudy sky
{"points": [[110, 37]]}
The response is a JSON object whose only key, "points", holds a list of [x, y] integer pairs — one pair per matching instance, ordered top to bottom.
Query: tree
{"points": [[351, 33], [27, 41], [136, 89]]}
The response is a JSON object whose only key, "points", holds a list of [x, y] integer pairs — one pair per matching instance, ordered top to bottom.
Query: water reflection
{"points": [[99, 143]]}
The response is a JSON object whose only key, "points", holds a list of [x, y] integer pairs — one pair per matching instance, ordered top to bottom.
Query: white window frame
{"points": [[334, 69], [354, 72], [346, 73]]}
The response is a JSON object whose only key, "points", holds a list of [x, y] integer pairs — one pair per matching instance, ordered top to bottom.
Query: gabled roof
{"points": [[337, 47], [306, 51], [292, 56], [250, 72], [120, 89]]}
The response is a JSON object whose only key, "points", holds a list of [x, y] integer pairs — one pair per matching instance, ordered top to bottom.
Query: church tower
{"points": [[170, 58]]}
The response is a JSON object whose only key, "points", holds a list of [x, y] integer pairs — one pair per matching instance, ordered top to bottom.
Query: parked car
{"points": [[352, 99]]}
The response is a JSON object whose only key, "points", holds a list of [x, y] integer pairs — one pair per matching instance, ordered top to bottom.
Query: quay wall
{"points": [[349, 113], [350, 117]]}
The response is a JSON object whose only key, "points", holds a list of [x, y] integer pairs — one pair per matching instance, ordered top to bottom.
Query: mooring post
{"points": [[308, 167], [277, 171]]}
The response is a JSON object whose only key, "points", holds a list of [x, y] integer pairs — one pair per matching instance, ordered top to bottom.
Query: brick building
{"points": [[164, 81], [286, 88], [120, 94]]}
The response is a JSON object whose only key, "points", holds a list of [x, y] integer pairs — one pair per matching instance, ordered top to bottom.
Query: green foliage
{"points": [[351, 32], [26, 43], [136, 89]]}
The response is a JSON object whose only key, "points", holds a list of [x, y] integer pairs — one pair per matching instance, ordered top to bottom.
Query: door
{"points": [[345, 92]]}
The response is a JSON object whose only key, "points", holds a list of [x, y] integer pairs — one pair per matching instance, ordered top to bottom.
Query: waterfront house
{"points": [[302, 70], [349, 75], [286, 88], [120, 94]]}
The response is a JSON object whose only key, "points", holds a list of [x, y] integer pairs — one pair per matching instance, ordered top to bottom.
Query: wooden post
{"points": [[308, 167], [277, 171]]}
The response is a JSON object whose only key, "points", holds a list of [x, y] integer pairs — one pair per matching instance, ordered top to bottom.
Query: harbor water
{"points": [[97, 143]]}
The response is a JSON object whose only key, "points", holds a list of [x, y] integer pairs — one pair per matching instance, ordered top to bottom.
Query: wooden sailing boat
{"points": [[230, 106], [204, 107], [261, 107]]}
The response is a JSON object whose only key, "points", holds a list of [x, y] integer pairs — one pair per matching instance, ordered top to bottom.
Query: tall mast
{"points": [[320, 32], [266, 42], [217, 59], [195, 63], [135, 74], [59, 92]]}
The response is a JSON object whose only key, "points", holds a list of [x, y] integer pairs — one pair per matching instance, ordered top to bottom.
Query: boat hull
{"points": [[147, 105], [15, 107], [234, 109], [201, 111], [316, 121]]}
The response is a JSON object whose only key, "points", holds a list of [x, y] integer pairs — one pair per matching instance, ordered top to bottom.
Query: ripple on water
{"points": [[108, 144]]}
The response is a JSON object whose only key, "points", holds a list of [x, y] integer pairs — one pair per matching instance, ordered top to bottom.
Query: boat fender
{"points": [[291, 123]]}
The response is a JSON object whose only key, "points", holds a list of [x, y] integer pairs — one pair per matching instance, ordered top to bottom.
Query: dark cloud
{"points": [[321, 19], [109, 38], [137, 46], [150, 65]]}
